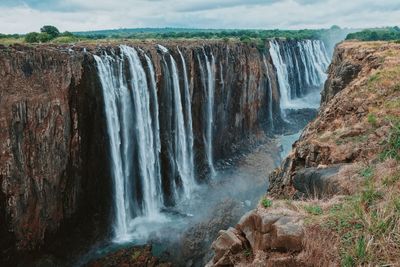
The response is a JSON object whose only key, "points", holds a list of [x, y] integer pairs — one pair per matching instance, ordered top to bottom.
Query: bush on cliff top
{"points": [[50, 33], [383, 34]]}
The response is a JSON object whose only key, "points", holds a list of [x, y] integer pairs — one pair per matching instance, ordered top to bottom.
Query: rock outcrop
{"points": [[260, 238]]}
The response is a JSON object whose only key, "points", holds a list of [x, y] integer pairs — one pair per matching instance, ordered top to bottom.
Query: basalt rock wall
{"points": [[54, 150]]}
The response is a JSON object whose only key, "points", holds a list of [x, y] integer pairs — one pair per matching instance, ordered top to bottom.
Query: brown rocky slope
{"points": [[335, 199]]}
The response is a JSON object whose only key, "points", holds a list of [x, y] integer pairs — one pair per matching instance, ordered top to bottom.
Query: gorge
{"points": [[111, 138]]}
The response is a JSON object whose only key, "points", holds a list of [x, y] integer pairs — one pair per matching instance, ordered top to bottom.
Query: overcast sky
{"points": [[21, 16]]}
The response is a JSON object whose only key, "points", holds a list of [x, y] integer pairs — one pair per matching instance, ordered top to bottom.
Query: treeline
{"points": [[49, 33], [205, 34], [381, 34], [12, 36]]}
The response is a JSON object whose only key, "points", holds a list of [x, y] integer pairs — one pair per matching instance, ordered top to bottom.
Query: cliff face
{"points": [[52, 144], [54, 151], [342, 175]]}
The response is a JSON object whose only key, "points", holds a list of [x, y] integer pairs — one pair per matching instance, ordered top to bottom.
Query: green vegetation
{"points": [[50, 33], [179, 33], [381, 34], [257, 38], [372, 119], [392, 144], [367, 172], [266, 202], [313, 209], [360, 220], [247, 252], [136, 255]]}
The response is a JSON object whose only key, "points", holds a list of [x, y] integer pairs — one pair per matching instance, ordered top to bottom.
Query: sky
{"points": [[22, 16]]}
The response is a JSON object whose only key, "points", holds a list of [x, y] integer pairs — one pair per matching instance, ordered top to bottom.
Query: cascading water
{"points": [[300, 69], [282, 75], [210, 86], [270, 100], [188, 110], [130, 128], [142, 144], [183, 145]]}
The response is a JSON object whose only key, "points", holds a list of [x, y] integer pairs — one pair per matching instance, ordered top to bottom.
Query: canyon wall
{"points": [[54, 143], [55, 156], [339, 156], [53, 162]]}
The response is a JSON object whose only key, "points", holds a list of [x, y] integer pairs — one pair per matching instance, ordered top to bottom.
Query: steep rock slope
{"points": [[360, 96], [53, 162], [340, 184]]}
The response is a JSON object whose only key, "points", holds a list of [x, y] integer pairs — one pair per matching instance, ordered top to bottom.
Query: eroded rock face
{"points": [[52, 153], [54, 170]]}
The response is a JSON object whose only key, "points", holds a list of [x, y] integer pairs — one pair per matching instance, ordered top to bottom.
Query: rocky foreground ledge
{"points": [[335, 200]]}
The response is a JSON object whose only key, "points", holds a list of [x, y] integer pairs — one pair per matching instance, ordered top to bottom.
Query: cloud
{"points": [[76, 15]]}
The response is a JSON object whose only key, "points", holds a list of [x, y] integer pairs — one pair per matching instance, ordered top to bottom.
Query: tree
{"points": [[50, 30], [32, 37], [44, 37]]}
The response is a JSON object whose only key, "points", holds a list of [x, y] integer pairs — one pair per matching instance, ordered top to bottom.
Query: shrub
{"points": [[32, 37], [44, 37], [65, 39], [266, 203]]}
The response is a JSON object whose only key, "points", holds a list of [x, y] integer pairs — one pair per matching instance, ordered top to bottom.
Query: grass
{"points": [[11, 41], [372, 119], [392, 144], [367, 172], [266, 202], [313, 209], [368, 223]]}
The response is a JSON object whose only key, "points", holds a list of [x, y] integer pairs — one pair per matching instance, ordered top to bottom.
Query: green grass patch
{"points": [[372, 119], [392, 144], [367, 172], [266, 202], [314, 210], [367, 222]]}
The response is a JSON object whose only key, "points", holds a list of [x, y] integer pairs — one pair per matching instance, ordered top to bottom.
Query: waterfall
{"points": [[301, 70], [210, 90], [270, 100], [188, 110], [156, 124], [130, 129], [150, 129], [183, 144]]}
